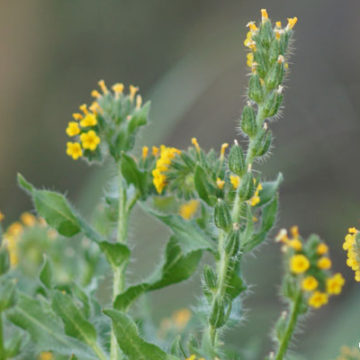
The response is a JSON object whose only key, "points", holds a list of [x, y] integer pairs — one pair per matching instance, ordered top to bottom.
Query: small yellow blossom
{"points": [[264, 15], [291, 22], [278, 24], [252, 26], [249, 42], [250, 59], [102, 86], [118, 88], [132, 91], [95, 94], [138, 101], [83, 108], [95, 108], [77, 116], [88, 120], [73, 129], [90, 140], [195, 143], [223, 149], [74, 150], [155, 151], [145, 152], [162, 165], [235, 181], [220, 183], [256, 198], [188, 209], [2, 216], [28, 219], [15, 229], [294, 231], [282, 236], [295, 244], [322, 249], [324, 263], [299, 264], [309, 283], [334, 284], [318, 299], [181, 318], [46, 355]]}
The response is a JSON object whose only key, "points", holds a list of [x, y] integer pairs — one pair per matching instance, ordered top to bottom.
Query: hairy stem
{"points": [[119, 272], [284, 342], [2, 350]]}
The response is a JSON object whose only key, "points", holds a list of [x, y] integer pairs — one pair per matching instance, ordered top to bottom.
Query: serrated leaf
{"points": [[202, 186], [269, 190], [54, 208], [189, 235], [115, 253], [176, 267], [46, 274], [45, 328], [131, 344]]}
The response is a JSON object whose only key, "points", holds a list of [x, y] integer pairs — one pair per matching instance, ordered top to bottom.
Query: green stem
{"points": [[119, 272], [284, 342], [2, 350]]}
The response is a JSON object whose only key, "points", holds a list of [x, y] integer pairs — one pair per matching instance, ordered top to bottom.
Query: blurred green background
{"points": [[188, 57]]}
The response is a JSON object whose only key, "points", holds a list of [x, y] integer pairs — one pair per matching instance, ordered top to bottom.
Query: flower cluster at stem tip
{"points": [[352, 246], [309, 264]]}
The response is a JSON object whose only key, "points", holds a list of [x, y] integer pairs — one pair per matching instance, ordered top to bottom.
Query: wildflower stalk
{"points": [[119, 272], [285, 340], [2, 350]]}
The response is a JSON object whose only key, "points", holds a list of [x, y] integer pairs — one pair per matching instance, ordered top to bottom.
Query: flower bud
{"points": [[266, 33], [276, 74], [255, 89], [273, 102], [248, 121], [263, 142], [237, 160], [247, 187], [222, 216], [232, 243], [210, 278], [217, 317]]}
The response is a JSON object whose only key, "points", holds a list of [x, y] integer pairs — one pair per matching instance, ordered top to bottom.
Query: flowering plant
{"points": [[213, 203]]}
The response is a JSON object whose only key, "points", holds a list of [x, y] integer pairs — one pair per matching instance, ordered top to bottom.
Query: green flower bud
{"points": [[266, 33], [274, 51], [276, 74], [255, 89], [273, 102], [248, 121], [263, 142], [237, 160], [247, 187], [222, 216], [232, 243], [4, 261], [210, 278], [217, 317], [280, 326]]}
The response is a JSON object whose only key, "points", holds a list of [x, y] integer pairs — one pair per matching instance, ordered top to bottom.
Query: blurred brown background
{"points": [[188, 57]]}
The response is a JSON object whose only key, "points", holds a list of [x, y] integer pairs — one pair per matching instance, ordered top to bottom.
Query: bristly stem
{"points": [[119, 272], [284, 342], [2, 350]]}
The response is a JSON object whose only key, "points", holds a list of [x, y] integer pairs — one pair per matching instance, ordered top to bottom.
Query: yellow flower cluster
{"points": [[253, 30], [162, 165], [235, 182], [188, 209], [13, 234], [352, 246], [311, 273], [349, 354], [45, 355]]}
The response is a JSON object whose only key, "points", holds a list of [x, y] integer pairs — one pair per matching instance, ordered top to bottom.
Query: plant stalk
{"points": [[119, 272], [284, 342], [2, 349]]}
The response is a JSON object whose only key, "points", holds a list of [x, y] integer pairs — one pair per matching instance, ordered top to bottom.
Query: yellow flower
{"points": [[264, 15], [291, 22], [278, 24], [252, 26], [250, 59], [102, 86], [118, 88], [132, 91], [95, 94], [138, 101], [77, 116], [88, 120], [73, 129], [90, 140], [195, 143], [223, 149], [74, 150], [155, 151], [145, 152], [162, 165], [235, 181], [220, 183], [256, 198], [188, 209], [2, 216], [28, 219], [14, 229], [295, 244], [352, 246], [322, 249], [324, 263], [299, 264], [309, 283], [334, 284], [318, 299], [181, 318], [46, 355]]}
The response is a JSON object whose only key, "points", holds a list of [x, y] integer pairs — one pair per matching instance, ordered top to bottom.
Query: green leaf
{"points": [[140, 117], [132, 174], [202, 186], [269, 190], [54, 208], [189, 235], [115, 253], [4, 260], [176, 267], [46, 273], [7, 294], [75, 324], [45, 328], [131, 344]]}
